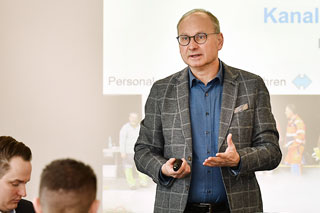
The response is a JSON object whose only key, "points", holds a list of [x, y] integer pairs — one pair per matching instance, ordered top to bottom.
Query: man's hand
{"points": [[229, 158], [167, 169]]}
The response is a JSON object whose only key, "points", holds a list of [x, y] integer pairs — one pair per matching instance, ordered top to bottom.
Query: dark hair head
{"points": [[10, 148], [66, 178]]}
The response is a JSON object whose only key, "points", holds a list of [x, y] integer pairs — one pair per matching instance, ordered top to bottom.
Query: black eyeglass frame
{"points": [[194, 38]]}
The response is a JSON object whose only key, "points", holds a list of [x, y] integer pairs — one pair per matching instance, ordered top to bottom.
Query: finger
{"points": [[229, 140], [222, 155], [211, 161], [170, 162], [184, 162], [184, 166], [167, 168], [184, 170]]}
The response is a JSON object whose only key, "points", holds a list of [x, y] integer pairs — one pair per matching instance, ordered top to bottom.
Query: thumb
{"points": [[229, 140], [171, 161]]}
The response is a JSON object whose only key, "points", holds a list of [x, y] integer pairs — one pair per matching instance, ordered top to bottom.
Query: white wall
{"points": [[51, 80]]}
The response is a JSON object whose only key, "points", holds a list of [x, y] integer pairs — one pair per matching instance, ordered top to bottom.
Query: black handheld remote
{"points": [[177, 164]]}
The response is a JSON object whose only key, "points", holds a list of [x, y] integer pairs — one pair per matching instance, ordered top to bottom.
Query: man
{"points": [[217, 119], [128, 136], [295, 140], [15, 172], [68, 186]]}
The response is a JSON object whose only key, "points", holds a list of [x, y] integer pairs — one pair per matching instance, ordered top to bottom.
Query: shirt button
{"points": [[207, 94], [207, 113], [207, 132], [208, 152], [189, 158], [209, 171], [209, 191]]}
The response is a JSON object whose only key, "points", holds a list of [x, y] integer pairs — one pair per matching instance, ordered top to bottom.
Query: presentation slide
{"points": [[278, 40]]}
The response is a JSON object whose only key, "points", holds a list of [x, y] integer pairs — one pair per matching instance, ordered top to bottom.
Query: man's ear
{"points": [[220, 41], [36, 205], [94, 206]]}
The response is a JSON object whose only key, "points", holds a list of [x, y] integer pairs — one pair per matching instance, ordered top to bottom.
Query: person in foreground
{"points": [[217, 119], [15, 172], [67, 186]]}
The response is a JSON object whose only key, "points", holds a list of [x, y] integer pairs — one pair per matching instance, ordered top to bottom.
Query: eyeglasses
{"points": [[199, 38]]}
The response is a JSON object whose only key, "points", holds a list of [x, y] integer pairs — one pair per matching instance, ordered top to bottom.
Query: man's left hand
{"points": [[229, 158]]}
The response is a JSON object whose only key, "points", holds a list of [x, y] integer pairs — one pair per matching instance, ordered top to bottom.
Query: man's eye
{"points": [[201, 36], [185, 38], [15, 184]]}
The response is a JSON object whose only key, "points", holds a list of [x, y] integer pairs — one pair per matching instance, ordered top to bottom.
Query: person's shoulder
{"points": [[240, 72], [172, 79], [165, 86], [125, 126], [25, 206]]}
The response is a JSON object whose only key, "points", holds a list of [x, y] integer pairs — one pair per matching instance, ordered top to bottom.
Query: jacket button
{"points": [[189, 158]]}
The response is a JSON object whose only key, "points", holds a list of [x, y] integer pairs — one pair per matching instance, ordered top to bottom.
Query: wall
{"points": [[51, 80]]}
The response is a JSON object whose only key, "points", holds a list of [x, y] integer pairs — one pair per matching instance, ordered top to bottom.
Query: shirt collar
{"points": [[219, 75]]}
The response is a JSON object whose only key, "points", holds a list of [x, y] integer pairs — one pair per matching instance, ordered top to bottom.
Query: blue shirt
{"points": [[205, 107]]}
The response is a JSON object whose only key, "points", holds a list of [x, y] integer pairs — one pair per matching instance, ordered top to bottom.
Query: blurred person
{"points": [[217, 119], [128, 136], [295, 139], [15, 172], [67, 186]]}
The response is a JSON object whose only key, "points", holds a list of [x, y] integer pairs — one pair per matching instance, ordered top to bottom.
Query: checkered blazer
{"points": [[166, 133]]}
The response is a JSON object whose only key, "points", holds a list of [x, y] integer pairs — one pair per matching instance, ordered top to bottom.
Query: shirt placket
{"points": [[208, 141]]}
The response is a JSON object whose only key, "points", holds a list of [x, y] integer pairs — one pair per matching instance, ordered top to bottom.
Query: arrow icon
{"points": [[302, 81]]}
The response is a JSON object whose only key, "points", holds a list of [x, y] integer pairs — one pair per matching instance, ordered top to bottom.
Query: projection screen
{"points": [[278, 40]]}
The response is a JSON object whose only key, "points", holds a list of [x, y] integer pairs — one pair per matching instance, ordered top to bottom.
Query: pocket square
{"points": [[241, 108]]}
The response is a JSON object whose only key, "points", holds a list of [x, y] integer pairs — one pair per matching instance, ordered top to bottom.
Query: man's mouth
{"points": [[194, 55], [16, 201]]}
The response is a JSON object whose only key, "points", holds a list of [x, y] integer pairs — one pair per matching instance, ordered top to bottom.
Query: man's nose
{"points": [[193, 44], [22, 190]]}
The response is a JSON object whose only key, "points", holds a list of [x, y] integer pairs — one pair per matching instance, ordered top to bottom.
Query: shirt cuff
{"points": [[236, 169]]}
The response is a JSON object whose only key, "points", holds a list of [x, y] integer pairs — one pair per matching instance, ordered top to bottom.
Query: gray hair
{"points": [[214, 19]]}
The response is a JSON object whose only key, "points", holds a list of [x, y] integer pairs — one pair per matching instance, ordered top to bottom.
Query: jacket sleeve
{"points": [[150, 143], [264, 152]]}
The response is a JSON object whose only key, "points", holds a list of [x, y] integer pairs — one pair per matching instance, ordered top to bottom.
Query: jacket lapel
{"points": [[229, 97], [184, 106]]}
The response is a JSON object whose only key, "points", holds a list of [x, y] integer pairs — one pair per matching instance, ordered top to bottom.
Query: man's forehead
{"points": [[195, 15], [198, 21], [19, 170]]}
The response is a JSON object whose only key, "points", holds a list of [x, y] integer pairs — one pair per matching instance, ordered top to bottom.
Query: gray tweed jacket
{"points": [[166, 133]]}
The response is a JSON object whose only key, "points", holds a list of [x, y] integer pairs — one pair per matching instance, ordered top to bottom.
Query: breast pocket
{"points": [[242, 119], [241, 128]]}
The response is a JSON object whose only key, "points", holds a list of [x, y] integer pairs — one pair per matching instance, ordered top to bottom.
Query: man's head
{"points": [[214, 20], [206, 39], [133, 119], [15, 172], [67, 185]]}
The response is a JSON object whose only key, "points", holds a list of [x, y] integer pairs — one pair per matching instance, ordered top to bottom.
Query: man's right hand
{"points": [[167, 169]]}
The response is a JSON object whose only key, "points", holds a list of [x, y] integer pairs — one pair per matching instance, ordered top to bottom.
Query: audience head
{"points": [[15, 172], [67, 185]]}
